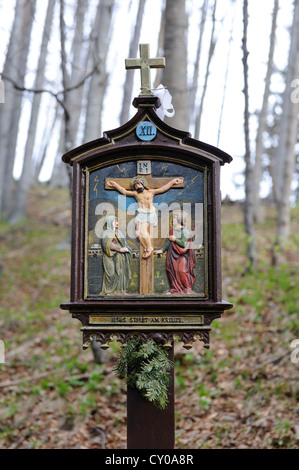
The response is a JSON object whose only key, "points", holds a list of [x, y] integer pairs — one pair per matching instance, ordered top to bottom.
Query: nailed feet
{"points": [[147, 253]]}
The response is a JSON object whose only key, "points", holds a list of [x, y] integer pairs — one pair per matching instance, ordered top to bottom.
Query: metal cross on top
{"points": [[145, 64]]}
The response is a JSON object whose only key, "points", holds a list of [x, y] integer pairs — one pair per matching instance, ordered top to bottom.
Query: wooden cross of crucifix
{"points": [[145, 64], [145, 214]]}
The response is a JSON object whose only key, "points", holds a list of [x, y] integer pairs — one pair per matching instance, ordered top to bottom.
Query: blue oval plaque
{"points": [[146, 130]]}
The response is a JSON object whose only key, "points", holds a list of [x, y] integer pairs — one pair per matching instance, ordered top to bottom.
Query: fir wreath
{"points": [[145, 366]]}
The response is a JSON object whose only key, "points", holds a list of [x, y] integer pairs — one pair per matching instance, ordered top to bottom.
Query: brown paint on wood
{"points": [[173, 145], [154, 183], [146, 279], [149, 427]]}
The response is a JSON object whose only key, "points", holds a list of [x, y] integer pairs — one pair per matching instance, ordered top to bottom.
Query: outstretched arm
{"points": [[114, 185], [169, 185], [120, 249]]}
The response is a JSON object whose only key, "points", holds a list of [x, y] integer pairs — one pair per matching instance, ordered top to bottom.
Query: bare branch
{"points": [[35, 90], [52, 93]]}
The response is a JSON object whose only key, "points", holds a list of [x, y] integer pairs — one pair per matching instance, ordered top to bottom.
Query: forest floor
{"points": [[241, 393]]}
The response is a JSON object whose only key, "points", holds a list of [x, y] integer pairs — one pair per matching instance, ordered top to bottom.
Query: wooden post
{"points": [[146, 282], [148, 427]]}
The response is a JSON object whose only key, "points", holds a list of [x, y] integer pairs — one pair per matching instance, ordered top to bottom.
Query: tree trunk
{"points": [[175, 51], [211, 52], [20, 61], [79, 65], [9, 70], [12, 70], [159, 72], [226, 76], [99, 78], [66, 84], [128, 86], [193, 90], [73, 96], [262, 124], [46, 138], [287, 142], [278, 162], [26, 175], [60, 177], [249, 182]]}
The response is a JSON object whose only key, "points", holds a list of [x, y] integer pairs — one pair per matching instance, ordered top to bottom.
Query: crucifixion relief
{"points": [[143, 190]]}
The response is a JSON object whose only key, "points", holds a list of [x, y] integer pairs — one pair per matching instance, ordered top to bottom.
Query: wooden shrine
{"points": [[146, 242], [146, 262]]}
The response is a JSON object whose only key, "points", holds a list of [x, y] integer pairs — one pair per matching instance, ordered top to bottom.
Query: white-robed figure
{"points": [[116, 259]]}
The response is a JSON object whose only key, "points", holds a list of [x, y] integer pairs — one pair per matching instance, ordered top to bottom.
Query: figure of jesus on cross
{"points": [[146, 212]]}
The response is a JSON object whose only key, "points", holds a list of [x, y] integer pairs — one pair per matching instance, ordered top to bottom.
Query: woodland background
{"points": [[56, 67]]}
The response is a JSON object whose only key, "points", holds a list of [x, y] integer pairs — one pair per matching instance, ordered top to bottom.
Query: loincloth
{"points": [[147, 215]]}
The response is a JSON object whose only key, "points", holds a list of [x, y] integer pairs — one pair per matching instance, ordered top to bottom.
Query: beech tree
{"points": [[175, 50], [210, 55], [15, 69], [226, 72], [74, 73], [98, 81], [80, 83], [128, 85], [193, 87], [262, 121], [285, 155], [249, 181], [24, 182]]}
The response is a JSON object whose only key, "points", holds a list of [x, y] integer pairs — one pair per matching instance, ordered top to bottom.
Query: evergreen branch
{"points": [[145, 366], [154, 380]]}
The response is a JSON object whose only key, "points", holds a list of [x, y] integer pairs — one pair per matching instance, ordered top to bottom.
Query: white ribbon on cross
{"points": [[166, 108]]}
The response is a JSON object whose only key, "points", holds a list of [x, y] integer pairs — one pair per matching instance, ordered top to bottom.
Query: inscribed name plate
{"points": [[154, 321]]}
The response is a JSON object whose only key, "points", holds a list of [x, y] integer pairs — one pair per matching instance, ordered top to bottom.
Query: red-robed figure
{"points": [[180, 260]]}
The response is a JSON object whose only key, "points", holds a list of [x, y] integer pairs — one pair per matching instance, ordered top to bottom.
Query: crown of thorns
{"points": [[138, 179]]}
